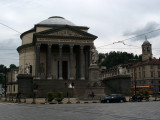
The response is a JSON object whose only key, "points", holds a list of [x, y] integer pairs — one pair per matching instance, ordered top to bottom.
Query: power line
{"points": [[14, 30], [122, 41]]}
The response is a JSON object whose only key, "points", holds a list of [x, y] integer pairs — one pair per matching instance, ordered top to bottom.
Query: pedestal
{"points": [[93, 72], [94, 83]]}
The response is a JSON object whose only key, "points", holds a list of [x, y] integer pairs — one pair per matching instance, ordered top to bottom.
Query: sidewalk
{"points": [[65, 100]]}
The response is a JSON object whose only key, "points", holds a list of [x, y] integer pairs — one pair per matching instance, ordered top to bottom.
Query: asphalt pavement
{"points": [[90, 111]]}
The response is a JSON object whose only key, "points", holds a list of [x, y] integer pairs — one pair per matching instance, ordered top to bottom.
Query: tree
{"points": [[115, 58], [12, 66], [2, 79]]}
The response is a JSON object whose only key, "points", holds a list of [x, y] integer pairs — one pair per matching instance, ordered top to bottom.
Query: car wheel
{"points": [[107, 101]]}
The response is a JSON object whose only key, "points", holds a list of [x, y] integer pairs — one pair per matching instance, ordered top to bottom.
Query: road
{"points": [[92, 111]]}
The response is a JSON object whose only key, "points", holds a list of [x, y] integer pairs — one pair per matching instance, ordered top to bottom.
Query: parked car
{"points": [[113, 98]]}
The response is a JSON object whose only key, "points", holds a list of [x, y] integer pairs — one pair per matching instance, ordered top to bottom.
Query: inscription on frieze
{"points": [[66, 33]]}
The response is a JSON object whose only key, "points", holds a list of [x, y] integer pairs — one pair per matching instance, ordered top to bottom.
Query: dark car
{"points": [[114, 98]]}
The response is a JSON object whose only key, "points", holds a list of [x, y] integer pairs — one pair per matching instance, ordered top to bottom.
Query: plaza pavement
{"points": [[65, 100], [92, 111]]}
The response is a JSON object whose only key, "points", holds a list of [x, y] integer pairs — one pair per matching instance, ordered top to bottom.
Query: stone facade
{"points": [[56, 51], [117, 79], [12, 86]]}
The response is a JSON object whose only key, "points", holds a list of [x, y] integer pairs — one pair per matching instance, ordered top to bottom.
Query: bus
{"points": [[141, 88]]}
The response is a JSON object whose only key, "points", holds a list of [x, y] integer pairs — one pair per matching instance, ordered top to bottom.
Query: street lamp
{"points": [[135, 83], [5, 84], [155, 88]]}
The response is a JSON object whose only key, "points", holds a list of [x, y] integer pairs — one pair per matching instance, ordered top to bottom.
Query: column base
{"points": [[37, 77], [49, 77], [60, 78], [71, 78], [82, 78]]}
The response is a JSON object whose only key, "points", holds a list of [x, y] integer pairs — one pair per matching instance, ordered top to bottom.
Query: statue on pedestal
{"points": [[94, 55]]}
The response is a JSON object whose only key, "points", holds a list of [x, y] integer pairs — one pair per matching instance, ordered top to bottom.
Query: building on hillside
{"points": [[55, 54], [122, 69], [147, 72], [117, 79], [12, 85]]}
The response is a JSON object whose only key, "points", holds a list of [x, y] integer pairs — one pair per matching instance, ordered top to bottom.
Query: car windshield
{"points": [[115, 95]]}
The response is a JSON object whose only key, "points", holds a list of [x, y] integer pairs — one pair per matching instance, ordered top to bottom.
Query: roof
{"points": [[56, 20], [146, 42], [148, 62]]}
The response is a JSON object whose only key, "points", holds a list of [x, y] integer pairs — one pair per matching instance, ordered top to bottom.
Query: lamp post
{"points": [[135, 83], [5, 86], [155, 89]]}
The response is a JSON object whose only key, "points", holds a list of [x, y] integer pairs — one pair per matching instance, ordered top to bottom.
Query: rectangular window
{"points": [[151, 66], [158, 66], [143, 67], [158, 73], [139, 74], [144, 74], [151, 74], [135, 75], [14, 88]]}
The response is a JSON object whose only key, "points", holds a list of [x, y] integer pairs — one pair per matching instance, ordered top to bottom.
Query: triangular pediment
{"points": [[66, 31]]}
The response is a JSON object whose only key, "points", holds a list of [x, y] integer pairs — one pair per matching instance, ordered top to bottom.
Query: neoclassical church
{"points": [[56, 52]]}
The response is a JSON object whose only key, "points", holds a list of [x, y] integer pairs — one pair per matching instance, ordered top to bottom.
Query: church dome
{"points": [[56, 20], [146, 42]]}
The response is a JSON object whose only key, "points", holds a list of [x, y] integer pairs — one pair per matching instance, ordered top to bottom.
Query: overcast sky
{"points": [[110, 20]]}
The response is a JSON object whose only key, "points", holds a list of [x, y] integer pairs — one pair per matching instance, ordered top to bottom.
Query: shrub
{"points": [[146, 95], [50, 96], [59, 97]]}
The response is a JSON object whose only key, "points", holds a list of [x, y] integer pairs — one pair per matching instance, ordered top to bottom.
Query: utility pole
{"points": [[5, 82], [135, 83], [155, 89]]}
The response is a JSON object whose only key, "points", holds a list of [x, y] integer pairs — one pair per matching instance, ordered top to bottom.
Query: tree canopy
{"points": [[115, 58], [4, 70]]}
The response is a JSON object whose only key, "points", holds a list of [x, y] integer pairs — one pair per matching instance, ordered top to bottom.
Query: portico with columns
{"points": [[70, 61]]}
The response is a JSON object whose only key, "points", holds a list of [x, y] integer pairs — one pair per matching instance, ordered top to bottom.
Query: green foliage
{"points": [[115, 58], [12, 66], [4, 69], [2, 80], [146, 94], [50, 96], [59, 97]]}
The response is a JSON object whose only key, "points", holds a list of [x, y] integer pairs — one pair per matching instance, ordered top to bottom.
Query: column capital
{"points": [[38, 44], [49, 45], [71, 45], [81, 47]]}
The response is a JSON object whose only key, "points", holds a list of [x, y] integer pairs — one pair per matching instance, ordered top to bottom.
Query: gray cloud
{"points": [[150, 26]]}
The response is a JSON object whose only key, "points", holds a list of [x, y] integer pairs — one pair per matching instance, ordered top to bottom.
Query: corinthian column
{"points": [[38, 60], [49, 62], [60, 62], [71, 62], [82, 63]]}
